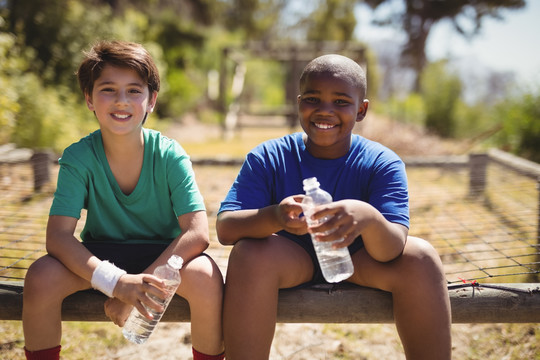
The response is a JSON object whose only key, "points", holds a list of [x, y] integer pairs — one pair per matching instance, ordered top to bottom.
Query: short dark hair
{"points": [[121, 54], [341, 65]]}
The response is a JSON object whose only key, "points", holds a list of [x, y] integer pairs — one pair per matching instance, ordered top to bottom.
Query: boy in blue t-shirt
{"points": [[143, 205], [262, 217]]}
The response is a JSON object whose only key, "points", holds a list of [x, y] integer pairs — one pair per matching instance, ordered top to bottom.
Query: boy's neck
{"points": [[123, 146], [326, 153]]}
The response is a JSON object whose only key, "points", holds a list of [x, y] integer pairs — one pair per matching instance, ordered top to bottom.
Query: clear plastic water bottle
{"points": [[336, 264], [138, 328]]}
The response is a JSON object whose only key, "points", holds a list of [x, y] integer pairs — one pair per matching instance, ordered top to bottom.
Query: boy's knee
{"points": [[422, 252], [252, 254], [38, 273], [202, 275], [40, 278]]}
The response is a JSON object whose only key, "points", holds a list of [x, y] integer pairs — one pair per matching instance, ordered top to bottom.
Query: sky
{"points": [[508, 45]]}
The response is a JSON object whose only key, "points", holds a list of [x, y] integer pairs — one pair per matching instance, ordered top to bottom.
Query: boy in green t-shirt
{"points": [[143, 206]]}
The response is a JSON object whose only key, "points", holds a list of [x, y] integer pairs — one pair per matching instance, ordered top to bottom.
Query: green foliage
{"points": [[254, 18], [332, 20], [10, 70], [373, 75], [264, 84], [441, 91], [410, 110], [48, 118], [520, 118], [473, 121]]}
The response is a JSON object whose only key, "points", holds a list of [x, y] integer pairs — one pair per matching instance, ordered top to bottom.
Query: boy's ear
{"points": [[89, 102], [152, 102], [362, 110]]}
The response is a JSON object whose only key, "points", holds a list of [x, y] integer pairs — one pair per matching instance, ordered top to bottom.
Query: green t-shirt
{"points": [[166, 189]]}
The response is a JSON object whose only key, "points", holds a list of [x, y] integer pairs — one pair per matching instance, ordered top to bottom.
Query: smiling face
{"points": [[121, 101], [329, 105]]}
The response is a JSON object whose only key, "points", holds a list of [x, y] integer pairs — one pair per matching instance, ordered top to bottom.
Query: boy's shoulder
{"points": [[286, 142], [85, 144], [162, 145], [372, 149]]}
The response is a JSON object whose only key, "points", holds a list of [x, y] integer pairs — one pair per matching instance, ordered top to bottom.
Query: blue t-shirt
{"points": [[275, 169], [165, 190]]}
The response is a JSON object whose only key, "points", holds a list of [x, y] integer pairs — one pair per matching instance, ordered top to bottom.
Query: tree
{"points": [[419, 17], [257, 19], [332, 20]]}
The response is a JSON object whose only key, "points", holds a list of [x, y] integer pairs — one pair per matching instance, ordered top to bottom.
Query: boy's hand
{"points": [[288, 214], [345, 220], [132, 290], [117, 310]]}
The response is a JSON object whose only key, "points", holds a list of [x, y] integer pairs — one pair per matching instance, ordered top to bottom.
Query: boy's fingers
{"points": [[153, 280], [157, 292], [145, 304], [152, 304], [141, 309]]}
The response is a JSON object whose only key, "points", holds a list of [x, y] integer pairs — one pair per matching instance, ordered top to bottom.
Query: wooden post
{"points": [[222, 96], [41, 165], [477, 174], [536, 277]]}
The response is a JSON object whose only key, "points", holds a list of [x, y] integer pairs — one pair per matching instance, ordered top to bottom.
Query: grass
{"points": [[236, 147]]}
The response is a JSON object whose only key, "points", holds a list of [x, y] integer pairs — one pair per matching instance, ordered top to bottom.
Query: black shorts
{"points": [[306, 243], [133, 258]]}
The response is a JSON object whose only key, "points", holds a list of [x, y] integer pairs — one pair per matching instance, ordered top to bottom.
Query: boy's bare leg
{"points": [[257, 270], [48, 282], [202, 286], [420, 297]]}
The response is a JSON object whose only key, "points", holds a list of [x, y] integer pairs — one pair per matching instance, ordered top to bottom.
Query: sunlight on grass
{"points": [[237, 147]]}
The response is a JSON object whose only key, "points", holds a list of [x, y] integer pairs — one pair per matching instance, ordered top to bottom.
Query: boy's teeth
{"points": [[121, 116], [324, 126]]}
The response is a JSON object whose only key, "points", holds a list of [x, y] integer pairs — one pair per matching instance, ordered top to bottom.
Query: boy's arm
{"points": [[232, 226], [193, 240], [384, 240], [64, 246]]}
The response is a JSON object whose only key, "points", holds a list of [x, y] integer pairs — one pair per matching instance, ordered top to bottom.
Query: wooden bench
{"points": [[343, 303]]}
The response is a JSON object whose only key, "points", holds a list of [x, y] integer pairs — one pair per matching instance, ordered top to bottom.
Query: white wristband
{"points": [[105, 277]]}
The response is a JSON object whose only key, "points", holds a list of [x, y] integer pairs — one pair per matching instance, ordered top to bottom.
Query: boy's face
{"points": [[121, 100], [329, 107]]}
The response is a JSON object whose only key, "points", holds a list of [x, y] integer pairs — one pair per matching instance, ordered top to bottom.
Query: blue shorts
{"points": [[306, 243], [133, 258]]}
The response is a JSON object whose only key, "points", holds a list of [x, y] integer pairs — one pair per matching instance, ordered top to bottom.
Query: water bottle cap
{"points": [[310, 183], [176, 262]]}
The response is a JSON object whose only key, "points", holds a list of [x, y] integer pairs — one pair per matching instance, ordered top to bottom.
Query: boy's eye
{"points": [[135, 91], [311, 100], [342, 102]]}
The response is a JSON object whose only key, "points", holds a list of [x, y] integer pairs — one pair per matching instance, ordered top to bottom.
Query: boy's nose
{"points": [[121, 98], [326, 108]]}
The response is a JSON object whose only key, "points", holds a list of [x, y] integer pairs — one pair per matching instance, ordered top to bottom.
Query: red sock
{"points": [[47, 354], [198, 356]]}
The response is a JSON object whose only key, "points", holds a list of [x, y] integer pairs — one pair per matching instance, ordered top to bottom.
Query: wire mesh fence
{"points": [[488, 232]]}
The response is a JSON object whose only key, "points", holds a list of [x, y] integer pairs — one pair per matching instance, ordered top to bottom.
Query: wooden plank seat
{"points": [[342, 303]]}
